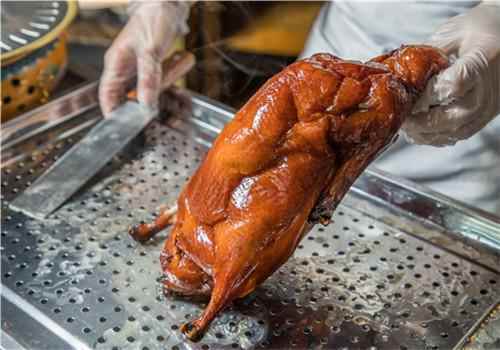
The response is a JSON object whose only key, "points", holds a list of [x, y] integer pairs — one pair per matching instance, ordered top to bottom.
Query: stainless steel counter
{"points": [[400, 266]]}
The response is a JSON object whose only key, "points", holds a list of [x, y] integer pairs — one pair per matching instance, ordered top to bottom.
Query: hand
{"points": [[139, 50], [462, 99]]}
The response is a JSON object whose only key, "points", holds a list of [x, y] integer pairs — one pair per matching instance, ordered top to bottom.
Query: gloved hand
{"points": [[139, 50], [462, 99]]}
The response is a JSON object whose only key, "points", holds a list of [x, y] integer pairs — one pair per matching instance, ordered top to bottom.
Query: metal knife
{"points": [[108, 137]]}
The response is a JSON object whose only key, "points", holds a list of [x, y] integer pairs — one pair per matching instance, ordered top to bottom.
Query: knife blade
{"points": [[108, 137]]}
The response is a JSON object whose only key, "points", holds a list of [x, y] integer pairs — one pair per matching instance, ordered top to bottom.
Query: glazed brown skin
{"points": [[281, 165]]}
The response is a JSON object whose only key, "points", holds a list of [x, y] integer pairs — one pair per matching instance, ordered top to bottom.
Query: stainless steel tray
{"points": [[401, 267]]}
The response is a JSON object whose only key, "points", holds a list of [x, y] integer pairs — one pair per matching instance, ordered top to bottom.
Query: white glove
{"points": [[139, 50], [462, 99]]}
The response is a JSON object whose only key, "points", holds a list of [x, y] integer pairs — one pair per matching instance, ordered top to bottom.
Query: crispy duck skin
{"points": [[282, 165]]}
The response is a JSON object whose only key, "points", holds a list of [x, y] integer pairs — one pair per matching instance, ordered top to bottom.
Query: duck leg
{"points": [[143, 232]]}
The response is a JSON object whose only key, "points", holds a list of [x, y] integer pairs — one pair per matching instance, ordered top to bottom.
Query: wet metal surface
{"points": [[358, 283], [487, 334]]}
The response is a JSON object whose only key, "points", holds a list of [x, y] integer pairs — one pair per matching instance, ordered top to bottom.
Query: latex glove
{"points": [[139, 50], [462, 99]]}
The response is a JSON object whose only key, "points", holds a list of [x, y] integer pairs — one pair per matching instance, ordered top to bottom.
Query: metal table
{"points": [[400, 267]]}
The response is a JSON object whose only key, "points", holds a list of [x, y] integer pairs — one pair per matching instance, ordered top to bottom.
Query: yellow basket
{"points": [[31, 72], [30, 83]]}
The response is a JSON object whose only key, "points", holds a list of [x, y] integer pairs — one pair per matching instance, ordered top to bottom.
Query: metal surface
{"points": [[28, 25], [51, 115], [99, 146], [83, 160], [397, 271], [487, 333]]}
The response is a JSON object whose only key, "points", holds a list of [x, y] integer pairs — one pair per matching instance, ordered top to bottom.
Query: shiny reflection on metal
{"points": [[54, 12], [50, 19], [29, 25], [37, 25], [29, 32], [18, 39], [5, 46], [49, 116], [62, 136], [80, 163], [464, 228], [380, 276], [43, 319], [485, 334], [9, 343]]}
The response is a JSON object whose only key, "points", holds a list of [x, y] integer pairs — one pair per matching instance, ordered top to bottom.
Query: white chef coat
{"points": [[468, 171]]}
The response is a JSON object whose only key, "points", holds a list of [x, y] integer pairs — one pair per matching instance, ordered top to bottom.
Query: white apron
{"points": [[468, 171]]}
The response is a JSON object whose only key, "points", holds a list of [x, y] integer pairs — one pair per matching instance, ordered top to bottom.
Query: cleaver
{"points": [[108, 137]]}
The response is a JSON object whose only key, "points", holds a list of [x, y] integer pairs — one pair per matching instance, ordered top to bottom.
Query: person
{"points": [[459, 104]]}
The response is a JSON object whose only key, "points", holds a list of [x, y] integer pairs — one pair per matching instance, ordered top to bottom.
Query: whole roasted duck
{"points": [[279, 167]]}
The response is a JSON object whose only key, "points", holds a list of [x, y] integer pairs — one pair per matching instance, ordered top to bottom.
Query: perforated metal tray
{"points": [[400, 267]]}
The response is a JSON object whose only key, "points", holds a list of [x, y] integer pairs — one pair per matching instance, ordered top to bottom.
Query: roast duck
{"points": [[281, 166]]}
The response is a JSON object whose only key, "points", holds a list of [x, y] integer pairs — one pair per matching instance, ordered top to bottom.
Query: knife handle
{"points": [[173, 68]]}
